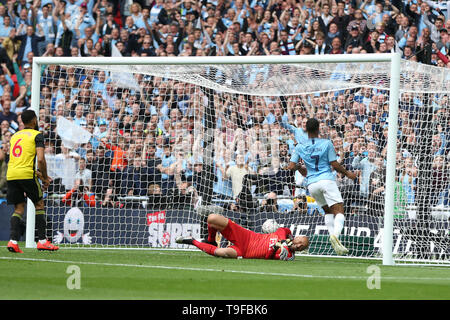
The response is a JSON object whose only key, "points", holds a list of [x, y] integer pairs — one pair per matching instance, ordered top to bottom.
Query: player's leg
{"points": [[34, 192], [317, 192], [16, 197], [337, 210], [334, 212], [329, 219], [334, 220], [339, 220], [215, 222], [16, 227], [41, 228], [205, 247], [208, 248], [226, 253]]}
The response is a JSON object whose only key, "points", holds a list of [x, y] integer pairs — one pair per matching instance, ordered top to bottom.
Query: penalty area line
{"points": [[291, 275]]}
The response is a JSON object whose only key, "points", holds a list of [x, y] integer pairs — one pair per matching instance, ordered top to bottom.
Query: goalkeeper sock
{"points": [[339, 220], [329, 222], [15, 223], [41, 224], [211, 233], [205, 247]]}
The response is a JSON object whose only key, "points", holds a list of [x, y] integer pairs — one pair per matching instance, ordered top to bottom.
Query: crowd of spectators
{"points": [[147, 142]]}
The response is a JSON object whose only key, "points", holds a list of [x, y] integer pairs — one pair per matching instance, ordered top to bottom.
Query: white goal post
{"points": [[393, 75]]}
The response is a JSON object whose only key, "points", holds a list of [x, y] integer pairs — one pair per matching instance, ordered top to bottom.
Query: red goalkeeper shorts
{"points": [[238, 235]]}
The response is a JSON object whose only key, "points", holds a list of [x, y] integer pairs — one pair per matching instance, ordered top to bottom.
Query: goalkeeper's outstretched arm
{"points": [[285, 249]]}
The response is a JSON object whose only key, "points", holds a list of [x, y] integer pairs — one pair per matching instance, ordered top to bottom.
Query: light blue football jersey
{"points": [[300, 135], [316, 154]]}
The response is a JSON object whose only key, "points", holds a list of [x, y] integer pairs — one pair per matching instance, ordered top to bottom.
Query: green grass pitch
{"points": [[193, 275]]}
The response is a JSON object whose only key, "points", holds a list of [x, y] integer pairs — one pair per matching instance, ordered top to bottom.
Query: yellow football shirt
{"points": [[22, 154]]}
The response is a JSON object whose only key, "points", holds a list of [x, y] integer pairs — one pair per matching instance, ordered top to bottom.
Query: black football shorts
{"points": [[19, 190]]}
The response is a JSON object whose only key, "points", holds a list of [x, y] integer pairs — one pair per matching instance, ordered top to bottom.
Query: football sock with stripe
{"points": [[16, 222], [41, 224], [211, 233], [205, 247]]}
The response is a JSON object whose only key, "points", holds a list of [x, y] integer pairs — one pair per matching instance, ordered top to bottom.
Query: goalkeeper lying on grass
{"points": [[279, 245]]}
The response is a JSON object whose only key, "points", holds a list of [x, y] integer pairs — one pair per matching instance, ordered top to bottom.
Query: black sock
{"points": [[41, 226], [16, 227]]}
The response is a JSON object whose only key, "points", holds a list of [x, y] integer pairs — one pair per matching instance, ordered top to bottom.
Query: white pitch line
{"points": [[294, 275]]}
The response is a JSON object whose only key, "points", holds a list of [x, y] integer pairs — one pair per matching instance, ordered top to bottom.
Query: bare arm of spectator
{"points": [[176, 5], [363, 5], [435, 6], [95, 7], [34, 8], [317, 8], [394, 8], [11, 11], [56, 12], [62, 17], [282, 20], [98, 22], [147, 25], [77, 29], [299, 29], [40, 32], [155, 33], [304, 38], [226, 40], [253, 48], [266, 49], [5, 69], [20, 97], [274, 143], [196, 147], [177, 169]]}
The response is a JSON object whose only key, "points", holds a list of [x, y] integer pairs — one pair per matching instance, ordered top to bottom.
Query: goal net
{"points": [[141, 154]]}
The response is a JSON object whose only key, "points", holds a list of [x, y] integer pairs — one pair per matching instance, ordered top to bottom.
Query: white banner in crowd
{"points": [[71, 134]]}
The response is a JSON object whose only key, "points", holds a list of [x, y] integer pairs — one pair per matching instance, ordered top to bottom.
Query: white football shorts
{"points": [[325, 192]]}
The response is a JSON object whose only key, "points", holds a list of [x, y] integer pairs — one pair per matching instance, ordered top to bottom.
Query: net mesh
{"points": [[142, 154]]}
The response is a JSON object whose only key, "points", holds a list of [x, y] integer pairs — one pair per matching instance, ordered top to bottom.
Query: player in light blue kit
{"points": [[300, 134], [319, 157]]}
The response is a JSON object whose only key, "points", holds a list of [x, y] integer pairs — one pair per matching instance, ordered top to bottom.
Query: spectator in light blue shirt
{"points": [[72, 7], [154, 12], [22, 21], [82, 21], [48, 25], [6, 28], [167, 159], [366, 166]]}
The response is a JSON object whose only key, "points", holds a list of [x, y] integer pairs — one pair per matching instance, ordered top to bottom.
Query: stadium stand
{"points": [[89, 28]]}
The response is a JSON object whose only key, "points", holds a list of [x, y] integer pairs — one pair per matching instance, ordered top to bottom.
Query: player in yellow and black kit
{"points": [[22, 180]]}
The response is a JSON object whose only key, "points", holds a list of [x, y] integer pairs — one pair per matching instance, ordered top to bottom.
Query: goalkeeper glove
{"points": [[284, 246], [284, 253]]}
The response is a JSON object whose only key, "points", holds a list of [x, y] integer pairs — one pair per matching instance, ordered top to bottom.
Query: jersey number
{"points": [[17, 149], [316, 158]]}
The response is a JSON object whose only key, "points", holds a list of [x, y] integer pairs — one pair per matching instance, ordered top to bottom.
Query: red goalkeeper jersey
{"points": [[252, 245]]}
